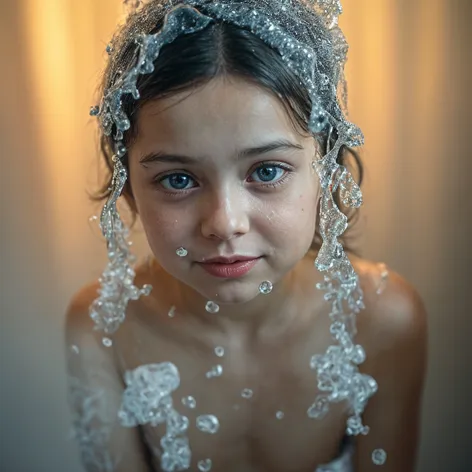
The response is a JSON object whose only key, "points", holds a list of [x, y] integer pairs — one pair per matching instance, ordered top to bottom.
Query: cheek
{"points": [[294, 214], [302, 217], [163, 227]]}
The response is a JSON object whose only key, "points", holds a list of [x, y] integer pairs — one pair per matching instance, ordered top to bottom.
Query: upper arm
{"points": [[398, 364], [95, 392]]}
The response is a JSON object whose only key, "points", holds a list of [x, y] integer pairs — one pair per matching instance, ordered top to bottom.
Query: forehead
{"points": [[220, 113]]}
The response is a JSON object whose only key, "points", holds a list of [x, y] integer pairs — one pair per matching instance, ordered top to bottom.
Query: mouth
{"points": [[228, 260], [237, 267]]}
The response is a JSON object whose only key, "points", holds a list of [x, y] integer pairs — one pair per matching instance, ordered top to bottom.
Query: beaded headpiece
{"points": [[306, 35]]}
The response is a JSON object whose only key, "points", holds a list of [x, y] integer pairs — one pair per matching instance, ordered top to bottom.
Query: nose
{"points": [[225, 215]]}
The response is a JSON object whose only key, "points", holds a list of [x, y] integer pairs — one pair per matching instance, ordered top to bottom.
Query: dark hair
{"points": [[192, 60]]}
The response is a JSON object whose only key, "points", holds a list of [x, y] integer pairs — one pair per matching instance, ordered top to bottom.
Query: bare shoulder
{"points": [[77, 317], [395, 317], [79, 327], [393, 331], [96, 393]]}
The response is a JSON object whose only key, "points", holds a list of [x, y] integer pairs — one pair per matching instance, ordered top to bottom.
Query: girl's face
{"points": [[223, 172]]}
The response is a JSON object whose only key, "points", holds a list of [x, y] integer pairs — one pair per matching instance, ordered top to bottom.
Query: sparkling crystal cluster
{"points": [[316, 54], [117, 281], [337, 370], [148, 400]]}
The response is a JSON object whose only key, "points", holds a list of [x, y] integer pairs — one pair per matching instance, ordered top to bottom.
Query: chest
{"points": [[246, 410]]}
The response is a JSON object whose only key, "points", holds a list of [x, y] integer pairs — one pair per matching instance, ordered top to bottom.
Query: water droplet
{"points": [[109, 49], [94, 111], [120, 149], [181, 252], [383, 279], [265, 287], [147, 288], [212, 307], [171, 313], [107, 342], [74, 349], [220, 351], [358, 356], [314, 361], [216, 371], [247, 393], [189, 402], [319, 408], [279, 415], [208, 424], [379, 456], [204, 465]]}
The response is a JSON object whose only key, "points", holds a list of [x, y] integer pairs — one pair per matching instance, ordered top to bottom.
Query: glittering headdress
{"points": [[306, 35]]}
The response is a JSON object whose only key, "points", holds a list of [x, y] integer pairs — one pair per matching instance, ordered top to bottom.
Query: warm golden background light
{"points": [[409, 76]]}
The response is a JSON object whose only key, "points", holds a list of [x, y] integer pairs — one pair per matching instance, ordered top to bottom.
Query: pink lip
{"points": [[228, 260], [231, 270]]}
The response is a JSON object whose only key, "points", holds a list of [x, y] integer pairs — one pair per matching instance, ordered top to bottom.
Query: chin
{"points": [[228, 292]]}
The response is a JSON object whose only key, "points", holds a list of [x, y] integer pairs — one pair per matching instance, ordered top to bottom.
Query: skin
{"points": [[268, 339]]}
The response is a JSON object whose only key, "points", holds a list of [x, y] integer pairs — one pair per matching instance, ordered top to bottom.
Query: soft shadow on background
{"points": [[409, 78]]}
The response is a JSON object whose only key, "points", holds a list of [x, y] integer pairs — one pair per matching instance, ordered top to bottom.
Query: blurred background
{"points": [[409, 76]]}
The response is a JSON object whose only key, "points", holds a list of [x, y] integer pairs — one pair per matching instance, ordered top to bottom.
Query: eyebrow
{"points": [[279, 144]]}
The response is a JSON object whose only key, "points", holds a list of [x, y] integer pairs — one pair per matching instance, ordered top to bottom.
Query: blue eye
{"points": [[268, 172], [176, 181]]}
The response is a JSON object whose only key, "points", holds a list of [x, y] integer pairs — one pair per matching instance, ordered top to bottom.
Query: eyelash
{"points": [[176, 193]]}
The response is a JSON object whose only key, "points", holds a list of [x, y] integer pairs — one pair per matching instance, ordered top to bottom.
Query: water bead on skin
{"points": [[181, 252], [383, 279], [265, 287], [212, 307], [107, 342], [74, 349], [219, 351], [215, 371], [247, 393], [189, 402], [208, 424], [379, 456], [204, 465]]}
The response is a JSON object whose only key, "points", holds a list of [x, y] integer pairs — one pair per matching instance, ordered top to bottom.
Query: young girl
{"points": [[223, 124]]}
